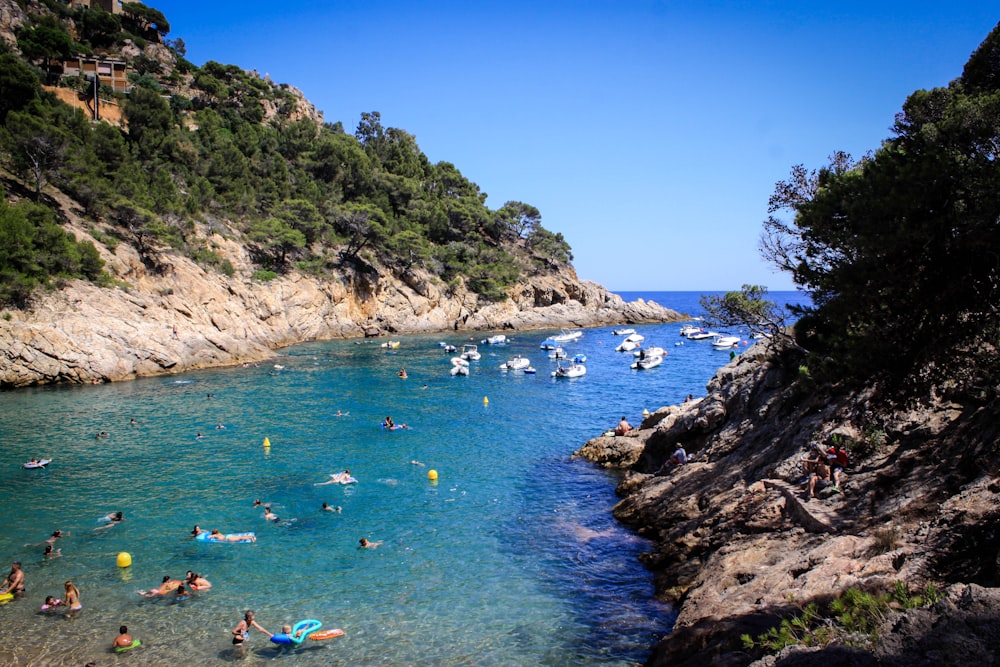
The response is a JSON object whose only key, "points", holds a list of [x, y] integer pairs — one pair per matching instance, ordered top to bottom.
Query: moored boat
{"points": [[623, 332], [723, 342], [471, 353], [516, 363], [571, 371]]}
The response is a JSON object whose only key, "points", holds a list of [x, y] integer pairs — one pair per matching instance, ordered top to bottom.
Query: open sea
{"points": [[510, 557]]}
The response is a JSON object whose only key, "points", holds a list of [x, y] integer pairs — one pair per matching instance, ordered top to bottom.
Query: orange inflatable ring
{"points": [[327, 634]]}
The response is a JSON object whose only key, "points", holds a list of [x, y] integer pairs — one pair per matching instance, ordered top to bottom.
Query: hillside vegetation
{"points": [[215, 149]]}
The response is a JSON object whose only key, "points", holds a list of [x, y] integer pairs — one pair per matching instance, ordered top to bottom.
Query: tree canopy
{"points": [[222, 144], [900, 250]]}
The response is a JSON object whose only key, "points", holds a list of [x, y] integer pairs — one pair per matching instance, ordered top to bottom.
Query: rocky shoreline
{"points": [[184, 318], [739, 546]]}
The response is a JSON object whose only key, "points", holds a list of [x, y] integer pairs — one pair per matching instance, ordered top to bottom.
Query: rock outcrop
{"points": [[182, 317], [738, 545]]}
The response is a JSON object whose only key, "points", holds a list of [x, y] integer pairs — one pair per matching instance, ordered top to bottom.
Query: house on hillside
{"points": [[113, 6], [111, 72]]}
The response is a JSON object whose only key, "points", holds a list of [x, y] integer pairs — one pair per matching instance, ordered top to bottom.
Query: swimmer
{"points": [[133, 422], [388, 423], [219, 427], [199, 436], [418, 463], [257, 503], [328, 508], [269, 515], [112, 519], [197, 530], [55, 536], [366, 544], [52, 553], [14, 582], [196, 582], [165, 587], [181, 593], [71, 595], [51, 602], [242, 630], [123, 640]]}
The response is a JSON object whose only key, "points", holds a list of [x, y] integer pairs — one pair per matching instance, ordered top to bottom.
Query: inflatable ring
{"points": [[300, 631], [327, 634], [122, 649]]}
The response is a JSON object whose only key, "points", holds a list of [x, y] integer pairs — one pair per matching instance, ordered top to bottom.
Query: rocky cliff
{"points": [[182, 316], [740, 545]]}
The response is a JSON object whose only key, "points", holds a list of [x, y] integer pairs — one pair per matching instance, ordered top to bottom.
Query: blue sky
{"points": [[650, 133]]}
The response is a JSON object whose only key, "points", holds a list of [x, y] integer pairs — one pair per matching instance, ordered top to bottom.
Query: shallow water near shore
{"points": [[511, 558]]}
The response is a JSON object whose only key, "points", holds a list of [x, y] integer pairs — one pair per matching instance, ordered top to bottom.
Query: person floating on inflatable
{"points": [[339, 478], [297, 634], [124, 641]]}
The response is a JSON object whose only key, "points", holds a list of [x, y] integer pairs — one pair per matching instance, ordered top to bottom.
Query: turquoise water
{"points": [[511, 558]]}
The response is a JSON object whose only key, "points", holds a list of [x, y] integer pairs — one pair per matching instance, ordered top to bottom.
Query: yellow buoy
{"points": [[486, 401], [645, 412], [267, 443], [432, 475], [124, 559]]}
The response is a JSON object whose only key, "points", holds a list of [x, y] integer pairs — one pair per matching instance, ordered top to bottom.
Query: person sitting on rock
{"points": [[623, 427], [679, 457], [837, 460], [816, 468]]}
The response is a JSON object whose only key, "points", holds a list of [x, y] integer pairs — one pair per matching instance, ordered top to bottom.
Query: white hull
{"points": [[726, 342], [648, 362], [573, 371]]}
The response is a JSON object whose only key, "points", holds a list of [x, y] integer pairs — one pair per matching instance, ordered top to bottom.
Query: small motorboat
{"points": [[689, 329], [623, 332], [701, 334], [568, 336], [498, 339], [723, 342], [549, 344], [627, 346], [447, 347], [653, 351], [471, 353], [559, 353], [579, 358], [647, 362], [516, 363], [458, 369], [530, 370], [571, 371], [35, 464]]}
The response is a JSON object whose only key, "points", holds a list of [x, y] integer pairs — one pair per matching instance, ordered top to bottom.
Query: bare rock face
{"points": [[12, 17], [183, 317], [739, 544]]}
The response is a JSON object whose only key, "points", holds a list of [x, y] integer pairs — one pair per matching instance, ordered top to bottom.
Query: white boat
{"points": [[689, 329], [623, 332], [701, 334], [567, 336], [635, 337], [499, 339], [725, 342], [549, 344], [626, 346], [447, 347], [650, 352], [471, 353], [558, 353], [579, 358], [459, 361], [647, 362], [516, 363], [459, 370], [571, 371], [34, 464]]}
